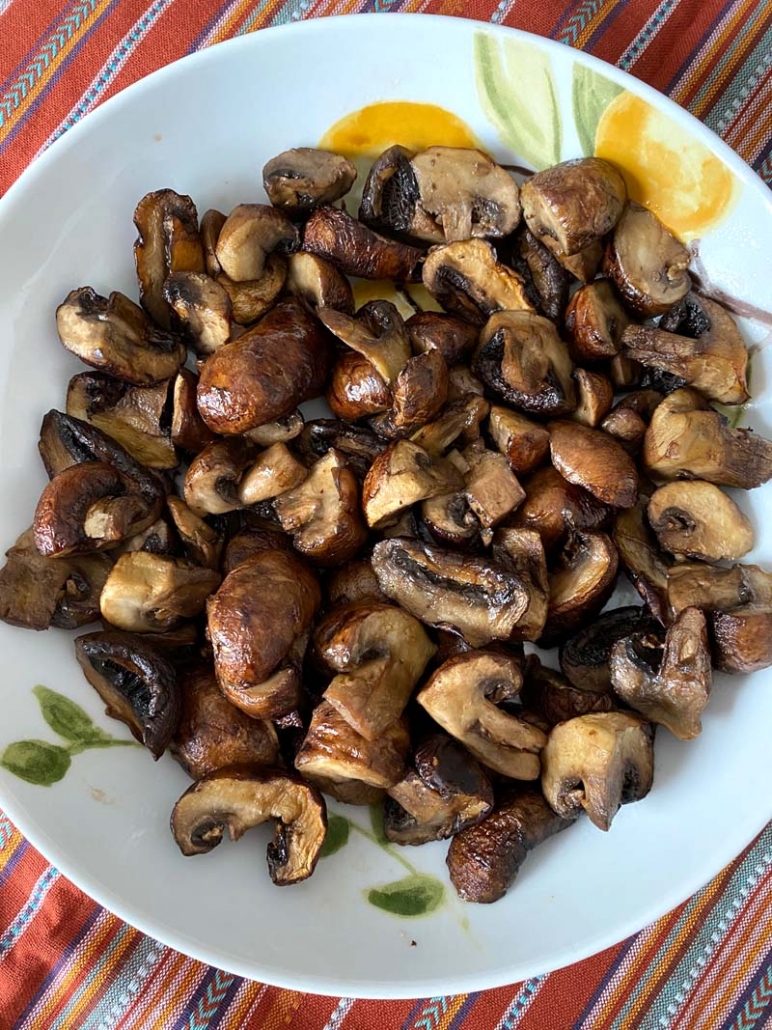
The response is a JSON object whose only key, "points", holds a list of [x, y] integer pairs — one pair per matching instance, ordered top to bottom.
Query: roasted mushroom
{"points": [[299, 180], [211, 223], [249, 234], [356, 250], [646, 263], [466, 278], [546, 279], [318, 283], [251, 298], [202, 307], [595, 321], [377, 333], [114, 335], [451, 336], [522, 359], [595, 395], [460, 418], [627, 420], [188, 430], [281, 430], [523, 443], [357, 444], [595, 461], [275, 471], [214, 476], [401, 476], [491, 489], [554, 508], [694, 519], [250, 542], [201, 543], [522, 551], [641, 558], [582, 581], [351, 583], [710, 587], [742, 637], [584, 658], [668, 683], [138, 685], [462, 697], [555, 699], [597, 763], [445, 791], [240, 797], [484, 860]]}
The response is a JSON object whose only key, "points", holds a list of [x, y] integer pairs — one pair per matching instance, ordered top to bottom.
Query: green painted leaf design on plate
{"points": [[517, 93], [591, 93], [68, 719], [36, 761], [376, 821], [338, 830], [413, 896]]}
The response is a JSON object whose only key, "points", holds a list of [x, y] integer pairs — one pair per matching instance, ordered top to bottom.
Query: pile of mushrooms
{"points": [[342, 606]]}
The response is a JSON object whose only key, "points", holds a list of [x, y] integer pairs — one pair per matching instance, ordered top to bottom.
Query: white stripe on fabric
{"points": [[521, 1003], [342, 1009]]}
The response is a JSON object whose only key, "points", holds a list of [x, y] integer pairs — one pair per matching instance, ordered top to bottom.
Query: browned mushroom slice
{"points": [[299, 180], [390, 192], [571, 205], [211, 223], [249, 234], [168, 242], [356, 250], [646, 263], [583, 265], [544, 273], [466, 278], [318, 283], [251, 298], [202, 307], [595, 321], [433, 330], [378, 333], [114, 335], [523, 360], [715, 363], [267, 373], [624, 373], [462, 382], [356, 389], [419, 393], [595, 395], [135, 416], [460, 418], [627, 420], [188, 430], [281, 430], [688, 439], [524, 444], [358, 445], [595, 461], [275, 471], [401, 476], [212, 481], [491, 489], [554, 507], [322, 513], [694, 519], [450, 521], [158, 538], [250, 542], [201, 543], [522, 552], [643, 561], [351, 583], [581, 583], [711, 587], [147, 593], [473, 596], [258, 622], [742, 637], [379, 653], [584, 658], [668, 683], [138, 685], [462, 697], [556, 699], [212, 733], [337, 757], [597, 763], [444, 792], [236, 799], [484, 860]]}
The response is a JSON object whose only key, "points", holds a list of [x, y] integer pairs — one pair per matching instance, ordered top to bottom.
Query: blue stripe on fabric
{"points": [[23, 919]]}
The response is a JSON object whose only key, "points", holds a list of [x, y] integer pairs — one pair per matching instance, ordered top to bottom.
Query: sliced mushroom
{"points": [[299, 180], [571, 205], [211, 224], [249, 234], [168, 242], [356, 250], [646, 263], [584, 264], [544, 273], [466, 278], [318, 283], [251, 298], [202, 307], [595, 321], [433, 330], [377, 333], [114, 335], [522, 359], [267, 373], [624, 373], [462, 382], [356, 389], [419, 393], [595, 395], [135, 416], [460, 418], [627, 421], [188, 430], [282, 430], [688, 439], [523, 443], [358, 445], [595, 461], [275, 471], [401, 476], [212, 481], [491, 489], [554, 508], [322, 513], [695, 519], [449, 521], [159, 538], [250, 542], [201, 543], [522, 552], [643, 561], [582, 581], [352, 583], [710, 587], [147, 593], [472, 596], [258, 622], [742, 637], [379, 653], [584, 658], [668, 683], [138, 685], [462, 697], [556, 699], [213, 733], [341, 761], [597, 763], [444, 792], [238, 798], [484, 860]]}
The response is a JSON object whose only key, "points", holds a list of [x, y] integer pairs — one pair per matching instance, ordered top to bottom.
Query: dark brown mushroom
{"points": [[299, 180], [355, 249], [646, 263], [583, 265], [545, 277], [467, 279], [318, 283], [252, 298], [202, 307], [595, 321], [378, 333], [115, 336], [451, 336], [522, 359], [462, 382], [356, 389], [419, 393], [594, 397], [460, 418], [627, 420], [188, 430], [357, 444], [525, 444], [595, 461], [401, 476], [212, 481], [554, 508], [694, 519], [450, 521], [250, 542], [201, 543], [521, 551], [644, 563], [582, 581], [351, 583], [742, 637], [584, 658], [138, 685], [597, 763], [445, 791], [240, 797], [484, 860]]}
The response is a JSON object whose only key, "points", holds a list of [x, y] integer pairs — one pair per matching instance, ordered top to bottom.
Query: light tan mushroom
{"points": [[299, 180], [249, 234], [467, 279], [318, 283], [250, 299], [203, 308], [594, 397], [275, 471], [401, 476], [213, 478], [555, 508], [695, 519], [201, 543], [645, 564], [147, 593]]}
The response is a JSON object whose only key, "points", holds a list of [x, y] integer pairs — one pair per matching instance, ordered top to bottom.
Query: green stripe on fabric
{"points": [[759, 14], [741, 86], [129, 978], [63, 1020]]}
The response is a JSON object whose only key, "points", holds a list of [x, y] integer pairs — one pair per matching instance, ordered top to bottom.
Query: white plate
{"points": [[205, 126]]}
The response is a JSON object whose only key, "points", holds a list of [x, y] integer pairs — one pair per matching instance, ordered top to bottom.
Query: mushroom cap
{"points": [[299, 180], [249, 234], [354, 249], [545, 277], [467, 280], [318, 283], [250, 299], [202, 307], [595, 321], [434, 330], [356, 388], [188, 430], [357, 444], [525, 444], [592, 459], [275, 471], [401, 476], [211, 485], [555, 508], [694, 519], [580, 584], [742, 637], [584, 657], [555, 698], [238, 798]]}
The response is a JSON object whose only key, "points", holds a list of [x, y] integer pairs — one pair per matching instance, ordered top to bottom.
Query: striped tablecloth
{"points": [[65, 963]]}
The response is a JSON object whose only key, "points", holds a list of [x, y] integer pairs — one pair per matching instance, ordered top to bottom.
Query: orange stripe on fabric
{"points": [[224, 30], [738, 50], [751, 131], [13, 843], [153, 988], [568, 992], [173, 994], [276, 1008], [240, 1009]]}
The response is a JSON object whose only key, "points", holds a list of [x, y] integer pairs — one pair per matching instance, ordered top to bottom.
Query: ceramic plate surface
{"points": [[205, 126]]}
